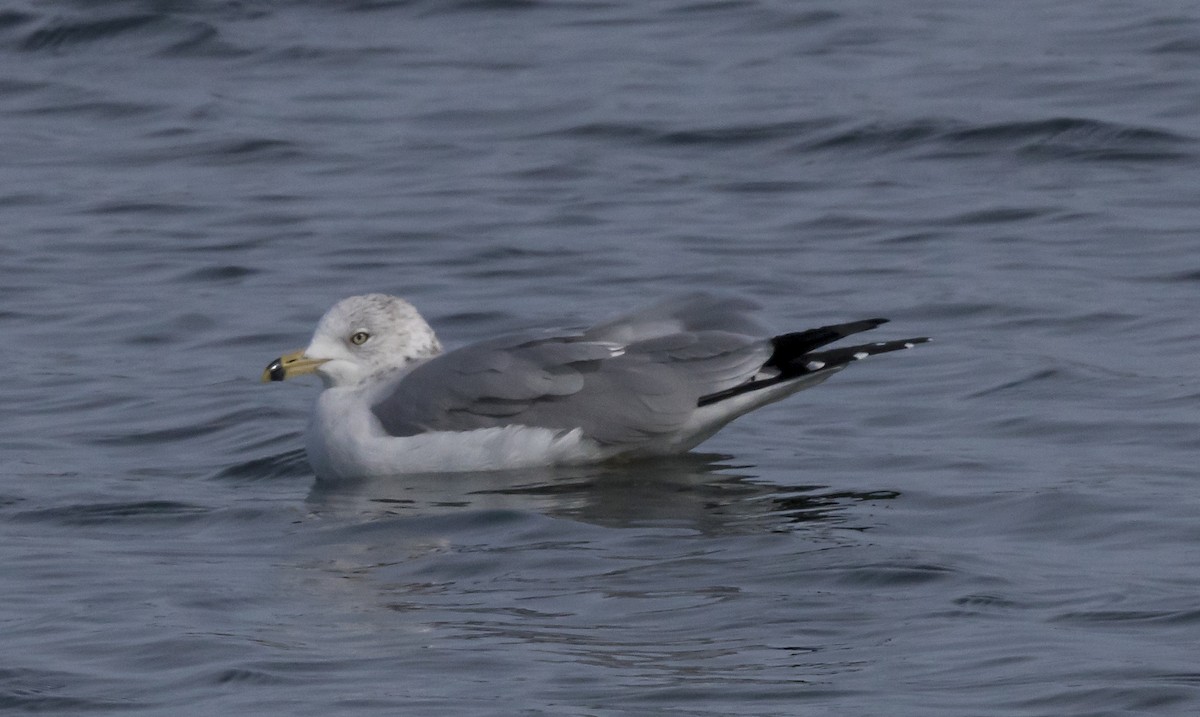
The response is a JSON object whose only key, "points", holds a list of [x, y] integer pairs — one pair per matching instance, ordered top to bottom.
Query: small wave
{"points": [[492, 5], [13, 18], [59, 34], [177, 35], [1184, 46], [100, 109], [621, 131], [736, 135], [716, 136], [879, 137], [1059, 137], [1055, 138], [1075, 138], [256, 146], [246, 151], [231, 152], [766, 187], [142, 208], [1000, 215], [223, 273], [1187, 276], [1025, 381], [150, 429], [291, 464], [809, 507], [101, 513], [894, 575], [992, 602], [1163, 617], [245, 676], [36, 702]]}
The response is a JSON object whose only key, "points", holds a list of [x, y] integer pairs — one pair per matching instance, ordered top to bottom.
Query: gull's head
{"points": [[360, 338]]}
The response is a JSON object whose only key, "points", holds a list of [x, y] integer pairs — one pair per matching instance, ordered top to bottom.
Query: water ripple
{"points": [[61, 34], [1070, 138], [108, 513]]}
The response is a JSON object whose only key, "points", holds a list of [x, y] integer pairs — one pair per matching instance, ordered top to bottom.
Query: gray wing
{"points": [[687, 313], [618, 393]]}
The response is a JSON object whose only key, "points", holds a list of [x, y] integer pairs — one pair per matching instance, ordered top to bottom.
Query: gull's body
{"points": [[653, 382]]}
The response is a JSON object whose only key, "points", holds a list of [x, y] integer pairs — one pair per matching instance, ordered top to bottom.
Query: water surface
{"points": [[1000, 523]]}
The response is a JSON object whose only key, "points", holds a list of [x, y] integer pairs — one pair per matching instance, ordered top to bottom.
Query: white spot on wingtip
{"points": [[861, 355], [814, 365]]}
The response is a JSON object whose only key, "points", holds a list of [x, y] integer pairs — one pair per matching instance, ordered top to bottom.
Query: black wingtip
{"points": [[789, 347], [792, 365]]}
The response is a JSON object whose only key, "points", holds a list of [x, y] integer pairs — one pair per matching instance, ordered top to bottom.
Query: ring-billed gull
{"points": [[656, 381]]}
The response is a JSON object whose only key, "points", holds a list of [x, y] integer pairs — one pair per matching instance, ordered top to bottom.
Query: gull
{"points": [[653, 382]]}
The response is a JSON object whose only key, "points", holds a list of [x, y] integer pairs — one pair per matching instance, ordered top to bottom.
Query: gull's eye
{"points": [[358, 338]]}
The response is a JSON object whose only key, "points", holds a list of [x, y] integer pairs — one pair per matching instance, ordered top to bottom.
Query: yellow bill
{"points": [[290, 366]]}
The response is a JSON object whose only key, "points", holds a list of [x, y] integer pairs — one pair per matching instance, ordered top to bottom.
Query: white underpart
{"points": [[345, 440]]}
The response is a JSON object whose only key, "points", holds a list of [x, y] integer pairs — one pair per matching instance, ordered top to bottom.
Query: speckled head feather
{"points": [[363, 338]]}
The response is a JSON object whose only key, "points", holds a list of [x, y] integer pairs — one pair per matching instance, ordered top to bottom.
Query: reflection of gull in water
{"points": [[654, 382], [696, 491]]}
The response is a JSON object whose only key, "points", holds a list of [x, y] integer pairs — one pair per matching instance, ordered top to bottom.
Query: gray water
{"points": [[999, 523]]}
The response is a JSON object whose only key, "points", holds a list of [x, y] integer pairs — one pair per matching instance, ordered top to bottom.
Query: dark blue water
{"points": [[1000, 523]]}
